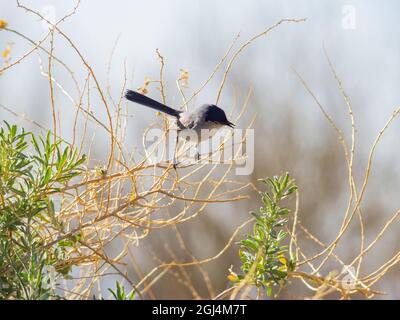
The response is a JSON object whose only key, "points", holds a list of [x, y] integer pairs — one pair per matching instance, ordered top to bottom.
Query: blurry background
{"points": [[362, 40]]}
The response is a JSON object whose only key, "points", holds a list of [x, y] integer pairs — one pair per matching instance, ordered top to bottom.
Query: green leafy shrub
{"points": [[31, 171], [264, 264], [120, 294]]}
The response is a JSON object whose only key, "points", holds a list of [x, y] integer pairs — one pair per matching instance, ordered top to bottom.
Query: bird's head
{"points": [[217, 115]]}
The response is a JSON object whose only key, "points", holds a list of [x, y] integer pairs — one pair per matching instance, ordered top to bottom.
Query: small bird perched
{"points": [[207, 116]]}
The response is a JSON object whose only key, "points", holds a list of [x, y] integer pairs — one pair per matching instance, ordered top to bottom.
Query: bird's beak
{"points": [[230, 124]]}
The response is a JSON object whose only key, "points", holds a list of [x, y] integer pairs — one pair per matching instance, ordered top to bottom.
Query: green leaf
{"points": [[27, 179], [265, 270]]}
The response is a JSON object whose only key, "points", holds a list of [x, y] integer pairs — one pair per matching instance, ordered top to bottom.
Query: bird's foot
{"points": [[175, 163]]}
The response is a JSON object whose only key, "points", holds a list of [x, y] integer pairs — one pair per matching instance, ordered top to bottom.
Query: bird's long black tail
{"points": [[146, 101]]}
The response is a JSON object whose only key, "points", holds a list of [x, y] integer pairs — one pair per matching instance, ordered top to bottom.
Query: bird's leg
{"points": [[197, 154], [175, 161]]}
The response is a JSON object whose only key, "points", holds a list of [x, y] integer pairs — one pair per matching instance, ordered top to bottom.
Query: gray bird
{"points": [[207, 116]]}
